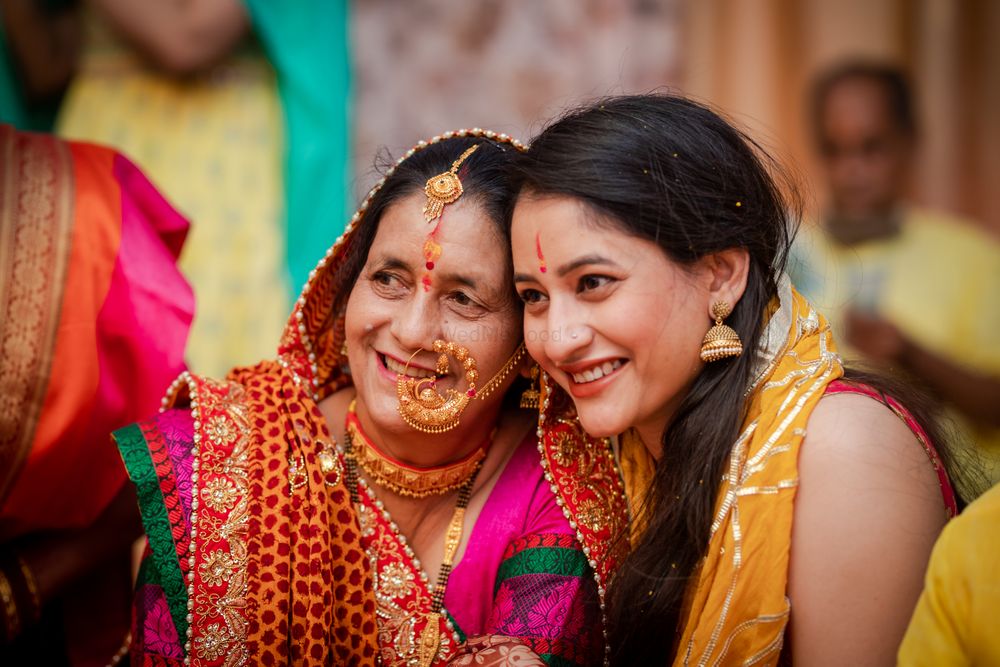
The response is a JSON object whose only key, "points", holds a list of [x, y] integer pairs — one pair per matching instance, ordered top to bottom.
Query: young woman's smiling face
{"points": [[611, 318]]}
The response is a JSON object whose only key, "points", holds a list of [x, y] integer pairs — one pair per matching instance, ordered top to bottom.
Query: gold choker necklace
{"points": [[406, 480]]}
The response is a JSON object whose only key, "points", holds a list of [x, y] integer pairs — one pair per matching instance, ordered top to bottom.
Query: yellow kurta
{"points": [[213, 145], [937, 280], [955, 622]]}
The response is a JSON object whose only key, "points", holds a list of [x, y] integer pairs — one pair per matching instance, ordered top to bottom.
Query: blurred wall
{"points": [[757, 58], [422, 67]]}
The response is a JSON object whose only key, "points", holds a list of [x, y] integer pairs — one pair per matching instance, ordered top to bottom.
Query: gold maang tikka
{"points": [[445, 188], [426, 410]]}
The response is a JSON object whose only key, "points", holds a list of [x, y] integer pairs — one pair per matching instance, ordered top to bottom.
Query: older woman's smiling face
{"points": [[391, 314]]}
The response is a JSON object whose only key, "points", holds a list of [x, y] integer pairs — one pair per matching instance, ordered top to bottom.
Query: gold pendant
{"points": [[430, 640]]}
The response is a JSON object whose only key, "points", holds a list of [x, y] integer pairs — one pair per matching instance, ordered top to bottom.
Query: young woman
{"points": [[371, 494], [780, 504]]}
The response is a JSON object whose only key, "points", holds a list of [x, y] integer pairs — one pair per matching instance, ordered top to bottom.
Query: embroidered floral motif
{"points": [[220, 431], [566, 449], [219, 493], [592, 514], [217, 569], [396, 580], [552, 611], [159, 634], [398, 639], [213, 642]]}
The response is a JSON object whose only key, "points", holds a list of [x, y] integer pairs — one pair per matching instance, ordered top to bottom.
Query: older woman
{"points": [[374, 492], [783, 507]]}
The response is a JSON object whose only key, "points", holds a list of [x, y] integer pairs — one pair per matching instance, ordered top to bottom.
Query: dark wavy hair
{"points": [[664, 168]]}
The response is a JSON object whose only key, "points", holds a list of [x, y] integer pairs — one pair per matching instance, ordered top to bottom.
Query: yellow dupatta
{"points": [[737, 607]]}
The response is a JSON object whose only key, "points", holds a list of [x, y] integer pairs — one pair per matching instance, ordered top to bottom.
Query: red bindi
{"points": [[538, 250]]}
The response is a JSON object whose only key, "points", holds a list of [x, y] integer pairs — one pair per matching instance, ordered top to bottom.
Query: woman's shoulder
{"points": [[855, 431], [864, 472], [868, 508]]}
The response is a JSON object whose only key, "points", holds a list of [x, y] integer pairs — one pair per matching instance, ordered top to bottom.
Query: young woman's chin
{"points": [[601, 421]]}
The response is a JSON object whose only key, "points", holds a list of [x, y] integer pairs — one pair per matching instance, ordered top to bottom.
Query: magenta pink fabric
{"points": [[144, 322], [521, 504]]}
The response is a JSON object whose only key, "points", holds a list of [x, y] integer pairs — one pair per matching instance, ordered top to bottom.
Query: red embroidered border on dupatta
{"points": [[584, 476], [590, 490], [218, 574], [402, 591]]}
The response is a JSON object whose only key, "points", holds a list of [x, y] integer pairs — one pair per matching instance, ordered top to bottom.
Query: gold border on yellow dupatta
{"points": [[36, 222], [737, 609]]}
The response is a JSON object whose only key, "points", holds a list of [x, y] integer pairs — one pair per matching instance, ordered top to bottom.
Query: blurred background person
{"points": [[39, 51], [239, 112], [907, 287], [91, 301]]}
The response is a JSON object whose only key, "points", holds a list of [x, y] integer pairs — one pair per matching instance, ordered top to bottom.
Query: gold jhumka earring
{"points": [[721, 341], [530, 396], [426, 410]]}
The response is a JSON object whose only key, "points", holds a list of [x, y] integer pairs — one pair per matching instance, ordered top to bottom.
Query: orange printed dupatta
{"points": [[256, 546]]}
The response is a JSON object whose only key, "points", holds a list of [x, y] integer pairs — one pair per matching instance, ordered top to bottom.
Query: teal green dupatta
{"points": [[308, 45]]}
